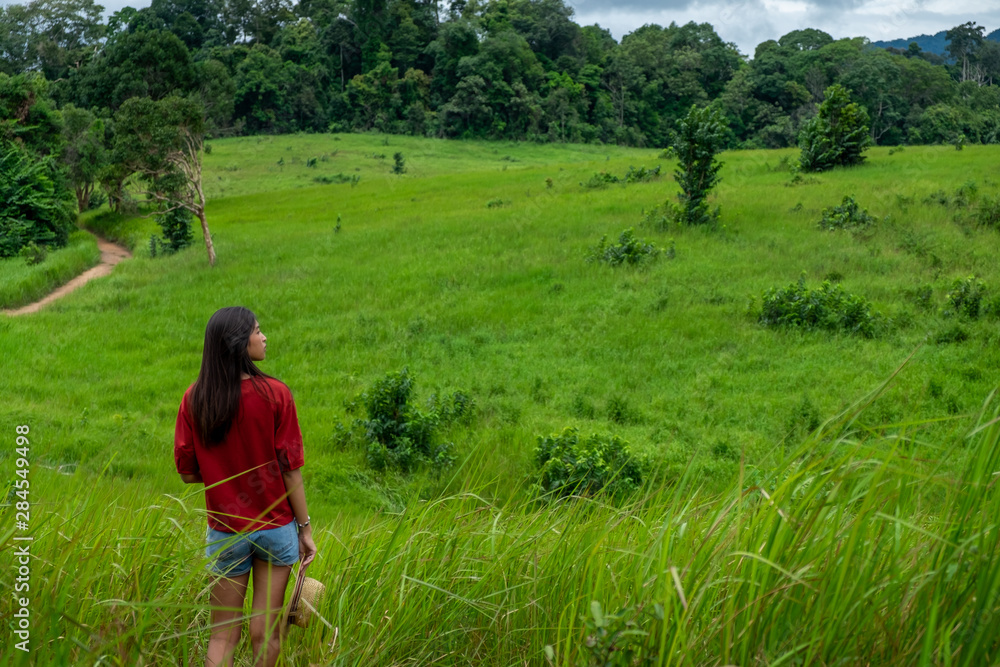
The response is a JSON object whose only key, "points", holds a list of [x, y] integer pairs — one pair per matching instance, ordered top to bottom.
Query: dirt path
{"points": [[111, 254]]}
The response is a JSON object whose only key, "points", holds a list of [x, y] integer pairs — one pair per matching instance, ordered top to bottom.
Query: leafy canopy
{"points": [[838, 135], [701, 136]]}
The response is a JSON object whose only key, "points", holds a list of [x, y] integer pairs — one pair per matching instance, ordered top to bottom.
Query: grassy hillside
{"points": [[469, 269]]}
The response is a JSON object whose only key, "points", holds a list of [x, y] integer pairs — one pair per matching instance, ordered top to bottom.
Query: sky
{"points": [[747, 23]]}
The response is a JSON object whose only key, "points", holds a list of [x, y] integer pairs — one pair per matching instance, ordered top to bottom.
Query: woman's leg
{"points": [[269, 582], [227, 619]]}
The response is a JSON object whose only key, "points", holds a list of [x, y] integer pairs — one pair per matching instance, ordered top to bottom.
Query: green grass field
{"points": [[22, 284], [757, 541]]}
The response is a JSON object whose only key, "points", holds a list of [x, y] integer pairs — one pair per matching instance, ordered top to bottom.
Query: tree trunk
{"points": [[82, 198], [208, 236]]}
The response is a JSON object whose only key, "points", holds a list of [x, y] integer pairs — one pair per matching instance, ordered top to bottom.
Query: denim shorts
{"points": [[231, 554]]}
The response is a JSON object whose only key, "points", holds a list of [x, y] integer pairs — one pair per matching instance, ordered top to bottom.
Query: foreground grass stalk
{"points": [[841, 557]]}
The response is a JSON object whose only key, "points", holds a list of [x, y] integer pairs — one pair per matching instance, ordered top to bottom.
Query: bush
{"points": [[837, 136], [700, 137], [399, 163], [633, 175], [641, 175], [335, 178], [601, 180], [35, 205], [988, 213], [847, 216], [176, 226], [628, 250], [33, 254], [966, 297], [828, 308], [954, 334], [401, 437], [568, 465]]}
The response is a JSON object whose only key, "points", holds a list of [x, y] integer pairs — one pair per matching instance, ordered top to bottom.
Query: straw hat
{"points": [[307, 594]]}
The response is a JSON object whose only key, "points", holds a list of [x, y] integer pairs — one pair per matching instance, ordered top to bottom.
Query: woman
{"points": [[237, 432]]}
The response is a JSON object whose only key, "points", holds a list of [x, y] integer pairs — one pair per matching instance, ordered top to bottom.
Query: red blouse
{"points": [[244, 490]]}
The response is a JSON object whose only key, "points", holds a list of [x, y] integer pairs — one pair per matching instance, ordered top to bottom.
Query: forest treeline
{"points": [[505, 69]]}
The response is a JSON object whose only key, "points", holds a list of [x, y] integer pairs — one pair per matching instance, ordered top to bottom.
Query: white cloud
{"points": [[747, 23]]}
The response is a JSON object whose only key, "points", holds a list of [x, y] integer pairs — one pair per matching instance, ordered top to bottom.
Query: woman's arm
{"points": [[191, 479], [297, 498]]}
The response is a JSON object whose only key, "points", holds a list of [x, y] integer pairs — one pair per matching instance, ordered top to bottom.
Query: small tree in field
{"points": [[837, 136], [700, 138], [161, 142]]}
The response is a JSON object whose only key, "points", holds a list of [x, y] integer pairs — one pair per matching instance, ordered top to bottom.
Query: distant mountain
{"points": [[935, 43]]}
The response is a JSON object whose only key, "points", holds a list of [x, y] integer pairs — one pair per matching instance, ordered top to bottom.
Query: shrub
{"points": [[837, 136], [700, 137], [399, 163], [641, 175], [333, 178], [798, 179], [601, 180], [966, 193], [97, 200], [497, 202], [35, 204], [988, 213], [847, 216], [662, 218], [176, 226], [628, 250], [33, 254], [922, 296], [966, 297], [828, 308], [955, 334], [459, 408], [620, 412], [400, 436], [568, 465]]}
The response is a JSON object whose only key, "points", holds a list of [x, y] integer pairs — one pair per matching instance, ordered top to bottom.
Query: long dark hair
{"points": [[215, 397]]}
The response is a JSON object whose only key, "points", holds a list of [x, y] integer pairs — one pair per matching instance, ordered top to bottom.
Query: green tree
{"points": [[67, 33], [49, 36], [456, 40], [964, 41], [17, 53], [153, 64], [674, 67], [511, 76], [874, 80], [260, 89], [216, 90], [371, 94], [468, 113], [27, 115], [701, 135], [837, 136], [160, 141], [85, 155], [35, 207]]}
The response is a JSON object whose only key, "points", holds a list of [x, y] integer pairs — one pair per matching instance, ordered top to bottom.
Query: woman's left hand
{"points": [[307, 547]]}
